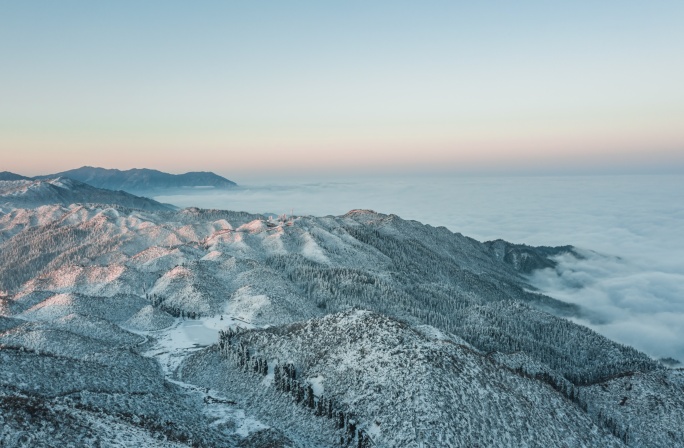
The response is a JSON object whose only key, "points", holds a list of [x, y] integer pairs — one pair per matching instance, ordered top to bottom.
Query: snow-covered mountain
{"points": [[143, 181], [65, 191], [218, 328], [397, 384]]}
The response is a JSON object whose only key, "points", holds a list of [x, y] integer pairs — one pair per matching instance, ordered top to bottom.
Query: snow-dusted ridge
{"points": [[65, 191], [112, 315], [391, 380]]}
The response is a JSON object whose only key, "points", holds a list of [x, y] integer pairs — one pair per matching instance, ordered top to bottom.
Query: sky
{"points": [[246, 88]]}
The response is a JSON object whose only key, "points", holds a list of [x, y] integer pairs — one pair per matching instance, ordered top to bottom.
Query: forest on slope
{"points": [[80, 282]]}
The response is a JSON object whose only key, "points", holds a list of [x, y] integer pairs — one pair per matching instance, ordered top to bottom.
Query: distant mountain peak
{"points": [[6, 175], [143, 180], [361, 211]]}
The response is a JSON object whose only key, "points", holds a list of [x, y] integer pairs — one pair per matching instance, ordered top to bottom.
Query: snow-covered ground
{"points": [[173, 344]]}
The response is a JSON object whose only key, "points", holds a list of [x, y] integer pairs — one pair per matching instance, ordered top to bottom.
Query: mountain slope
{"points": [[6, 175], [143, 180], [64, 191], [525, 258], [227, 262], [451, 332], [400, 386]]}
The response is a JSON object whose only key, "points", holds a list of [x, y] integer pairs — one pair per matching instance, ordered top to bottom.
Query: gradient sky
{"points": [[275, 86]]}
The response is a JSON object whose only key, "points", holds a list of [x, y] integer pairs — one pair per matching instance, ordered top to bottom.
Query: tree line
{"points": [[285, 379]]}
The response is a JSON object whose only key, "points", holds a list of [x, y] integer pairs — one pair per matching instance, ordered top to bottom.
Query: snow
{"points": [[255, 226], [273, 243], [312, 250], [213, 255], [245, 305], [57, 306], [148, 319], [432, 332], [435, 333], [185, 336], [173, 344], [268, 379], [317, 384], [222, 414], [374, 430], [120, 435]]}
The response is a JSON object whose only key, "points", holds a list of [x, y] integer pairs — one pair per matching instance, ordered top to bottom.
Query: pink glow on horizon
{"points": [[474, 152]]}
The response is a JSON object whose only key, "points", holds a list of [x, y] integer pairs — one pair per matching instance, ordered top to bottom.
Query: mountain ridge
{"points": [[6, 175], [143, 180], [65, 191], [402, 326], [387, 380]]}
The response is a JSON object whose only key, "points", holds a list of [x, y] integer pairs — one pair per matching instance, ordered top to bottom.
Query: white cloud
{"points": [[629, 300]]}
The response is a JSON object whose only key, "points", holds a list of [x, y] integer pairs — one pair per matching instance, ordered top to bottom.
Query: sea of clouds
{"points": [[630, 230]]}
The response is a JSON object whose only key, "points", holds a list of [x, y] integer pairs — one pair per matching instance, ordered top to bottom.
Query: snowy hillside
{"points": [[64, 191], [112, 313], [401, 387]]}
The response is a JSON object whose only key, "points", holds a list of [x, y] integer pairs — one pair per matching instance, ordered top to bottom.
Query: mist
{"points": [[629, 229]]}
